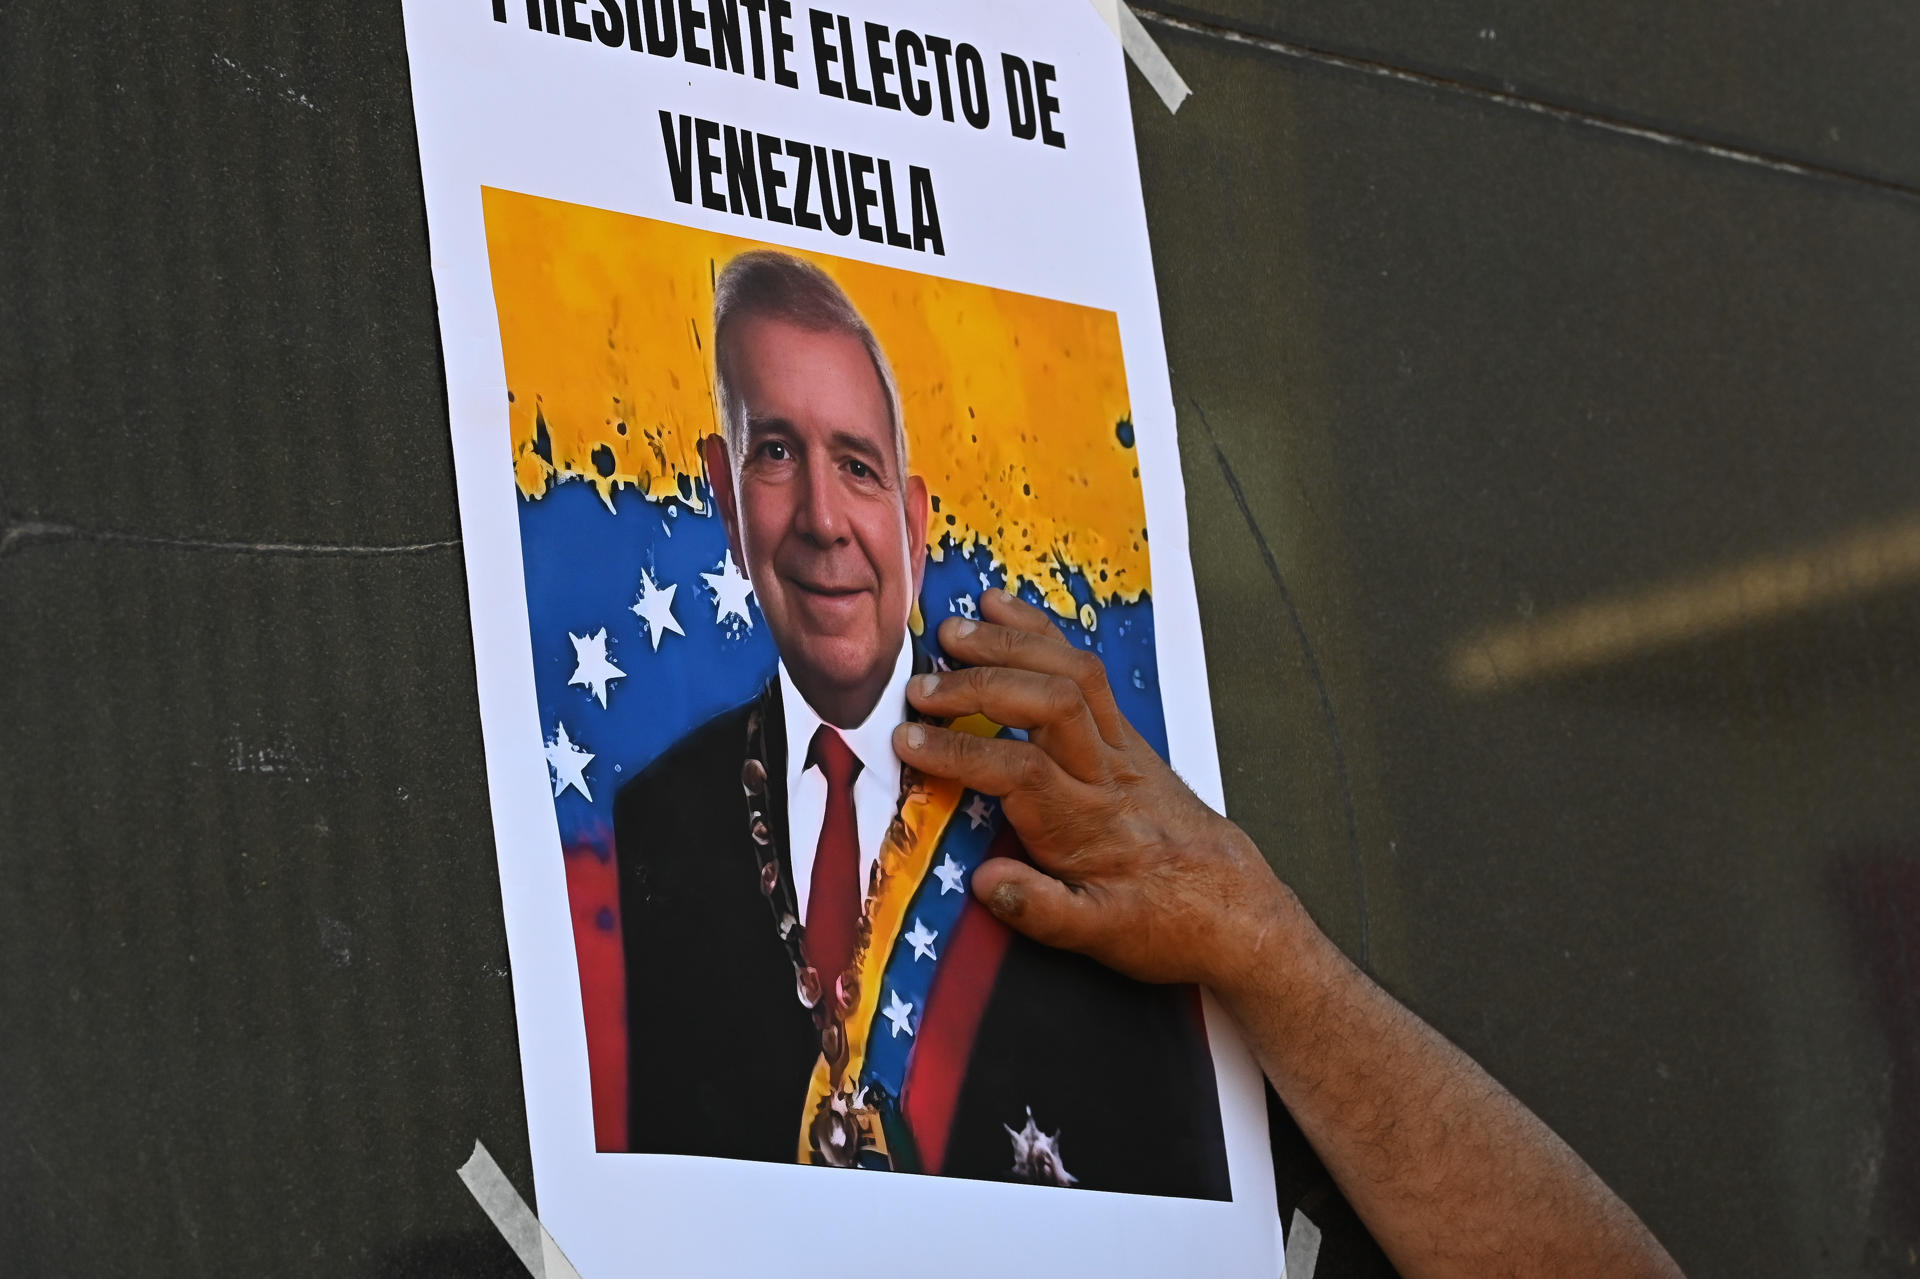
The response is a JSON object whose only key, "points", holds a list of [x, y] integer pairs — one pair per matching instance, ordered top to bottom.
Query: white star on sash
{"points": [[979, 812], [950, 876], [922, 939], [897, 1013]]}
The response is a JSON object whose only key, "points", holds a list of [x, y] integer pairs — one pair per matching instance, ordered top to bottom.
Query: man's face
{"points": [[830, 532]]}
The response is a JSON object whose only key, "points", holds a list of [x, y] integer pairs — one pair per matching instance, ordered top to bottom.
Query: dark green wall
{"points": [[1444, 360]]}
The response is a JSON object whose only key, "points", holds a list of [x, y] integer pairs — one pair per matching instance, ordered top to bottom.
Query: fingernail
{"points": [[963, 629], [926, 685], [916, 737], [1005, 901]]}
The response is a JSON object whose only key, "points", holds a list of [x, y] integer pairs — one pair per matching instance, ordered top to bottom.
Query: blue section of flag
{"points": [[584, 561], [583, 566]]}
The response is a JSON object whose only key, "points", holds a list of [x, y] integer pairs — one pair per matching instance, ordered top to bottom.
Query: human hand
{"points": [[1129, 866]]}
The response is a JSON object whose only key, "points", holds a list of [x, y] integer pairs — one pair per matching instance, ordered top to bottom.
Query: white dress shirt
{"points": [[876, 789]]}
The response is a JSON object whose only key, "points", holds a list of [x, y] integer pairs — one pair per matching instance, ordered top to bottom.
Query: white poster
{"points": [[774, 337]]}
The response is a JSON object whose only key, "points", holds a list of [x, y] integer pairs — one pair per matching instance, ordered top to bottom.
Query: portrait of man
{"points": [[807, 976]]}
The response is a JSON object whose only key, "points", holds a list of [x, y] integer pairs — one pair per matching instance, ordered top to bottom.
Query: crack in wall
{"points": [[1613, 124], [21, 534], [1315, 674]]}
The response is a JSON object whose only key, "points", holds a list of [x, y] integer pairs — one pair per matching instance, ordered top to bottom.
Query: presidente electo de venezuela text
{"points": [[754, 174]]}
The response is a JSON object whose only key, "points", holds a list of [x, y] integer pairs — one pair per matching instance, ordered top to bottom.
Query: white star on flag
{"points": [[730, 589], [965, 607], [655, 608], [592, 667], [569, 764], [979, 812], [949, 874], [922, 939], [897, 1013]]}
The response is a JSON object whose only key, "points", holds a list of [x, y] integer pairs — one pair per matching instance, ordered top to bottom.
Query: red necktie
{"points": [[833, 894]]}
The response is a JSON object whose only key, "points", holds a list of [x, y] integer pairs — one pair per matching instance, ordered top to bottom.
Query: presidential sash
{"points": [[914, 912]]}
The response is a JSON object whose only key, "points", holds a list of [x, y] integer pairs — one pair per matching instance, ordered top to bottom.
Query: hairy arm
{"points": [[1451, 1174]]}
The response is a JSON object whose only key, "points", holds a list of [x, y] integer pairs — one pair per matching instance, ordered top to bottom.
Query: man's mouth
{"points": [[828, 590]]}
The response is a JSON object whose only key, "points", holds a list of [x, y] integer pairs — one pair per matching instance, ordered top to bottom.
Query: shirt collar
{"points": [[871, 742]]}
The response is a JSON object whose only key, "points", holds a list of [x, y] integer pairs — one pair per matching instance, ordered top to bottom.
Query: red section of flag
{"points": [[593, 892], [969, 967]]}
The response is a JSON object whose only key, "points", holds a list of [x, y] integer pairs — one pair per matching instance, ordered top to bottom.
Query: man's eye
{"points": [[774, 451], [861, 470]]}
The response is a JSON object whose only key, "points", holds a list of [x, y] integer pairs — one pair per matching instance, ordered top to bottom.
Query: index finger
{"points": [[1008, 609], [1046, 653], [1050, 707], [994, 766]]}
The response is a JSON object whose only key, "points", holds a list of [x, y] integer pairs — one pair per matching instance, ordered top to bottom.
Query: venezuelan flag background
{"points": [[1017, 416]]}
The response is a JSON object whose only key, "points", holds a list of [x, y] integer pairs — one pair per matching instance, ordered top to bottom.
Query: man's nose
{"points": [[820, 518]]}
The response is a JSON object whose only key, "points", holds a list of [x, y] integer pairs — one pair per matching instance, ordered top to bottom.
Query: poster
{"points": [[775, 336]]}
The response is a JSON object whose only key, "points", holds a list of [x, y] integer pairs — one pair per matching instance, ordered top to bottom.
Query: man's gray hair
{"points": [[779, 286]]}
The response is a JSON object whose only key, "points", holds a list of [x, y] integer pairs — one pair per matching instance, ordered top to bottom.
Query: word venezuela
{"points": [[778, 180]]}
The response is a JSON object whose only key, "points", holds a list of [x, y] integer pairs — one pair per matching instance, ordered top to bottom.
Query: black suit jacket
{"points": [[721, 1050]]}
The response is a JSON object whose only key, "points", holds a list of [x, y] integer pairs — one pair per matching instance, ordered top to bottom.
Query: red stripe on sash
{"points": [[969, 967]]}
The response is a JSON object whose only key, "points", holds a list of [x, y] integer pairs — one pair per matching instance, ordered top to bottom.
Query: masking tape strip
{"points": [[1146, 54], [513, 1219], [1303, 1247]]}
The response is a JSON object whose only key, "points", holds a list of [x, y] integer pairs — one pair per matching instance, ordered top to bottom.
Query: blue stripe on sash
{"points": [[930, 919]]}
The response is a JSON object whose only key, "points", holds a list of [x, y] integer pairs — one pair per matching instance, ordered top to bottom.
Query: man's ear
{"points": [[713, 451], [919, 512]]}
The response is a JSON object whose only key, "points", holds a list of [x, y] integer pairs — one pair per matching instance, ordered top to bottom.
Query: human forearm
{"points": [[1450, 1173]]}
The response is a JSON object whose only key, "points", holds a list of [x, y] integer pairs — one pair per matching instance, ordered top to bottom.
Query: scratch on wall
{"points": [[261, 87], [20, 534], [1314, 673]]}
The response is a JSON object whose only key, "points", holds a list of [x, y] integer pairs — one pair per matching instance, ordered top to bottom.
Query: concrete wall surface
{"points": [[1548, 382]]}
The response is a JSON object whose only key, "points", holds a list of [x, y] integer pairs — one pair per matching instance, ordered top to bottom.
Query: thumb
{"points": [[1033, 902]]}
